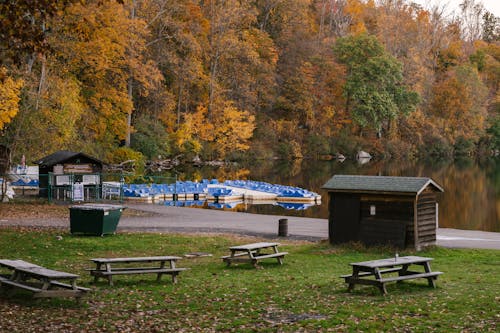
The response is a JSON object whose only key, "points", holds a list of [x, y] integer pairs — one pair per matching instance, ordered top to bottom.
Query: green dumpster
{"points": [[94, 219]]}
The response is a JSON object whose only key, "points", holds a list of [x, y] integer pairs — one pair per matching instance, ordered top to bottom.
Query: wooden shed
{"points": [[63, 168], [378, 210]]}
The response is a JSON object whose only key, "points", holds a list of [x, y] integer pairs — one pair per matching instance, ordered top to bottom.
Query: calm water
{"points": [[471, 199]]}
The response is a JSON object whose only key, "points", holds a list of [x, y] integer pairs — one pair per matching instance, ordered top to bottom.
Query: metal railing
{"points": [[73, 187]]}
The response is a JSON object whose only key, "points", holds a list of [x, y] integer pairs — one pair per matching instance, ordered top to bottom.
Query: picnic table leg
{"points": [[252, 255], [280, 259], [229, 260], [162, 265], [98, 268], [403, 271], [174, 274], [355, 274], [16, 276], [110, 276], [430, 280], [45, 284], [381, 285], [383, 291], [78, 293]]}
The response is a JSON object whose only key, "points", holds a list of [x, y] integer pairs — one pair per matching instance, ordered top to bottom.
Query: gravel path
{"points": [[157, 218]]}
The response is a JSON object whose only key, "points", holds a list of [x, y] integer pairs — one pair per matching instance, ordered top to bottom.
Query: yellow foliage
{"points": [[356, 9], [9, 97], [199, 125], [227, 129], [234, 129]]}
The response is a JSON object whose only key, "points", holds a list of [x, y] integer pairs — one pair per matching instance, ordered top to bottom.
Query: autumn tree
{"points": [[291, 26], [23, 30], [177, 42], [102, 51], [241, 57], [374, 88], [459, 104], [226, 132]]}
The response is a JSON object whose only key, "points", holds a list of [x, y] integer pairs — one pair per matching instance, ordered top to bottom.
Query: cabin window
{"points": [[373, 210]]}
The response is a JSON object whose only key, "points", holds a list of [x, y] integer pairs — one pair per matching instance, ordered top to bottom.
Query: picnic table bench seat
{"points": [[104, 267], [433, 275]]}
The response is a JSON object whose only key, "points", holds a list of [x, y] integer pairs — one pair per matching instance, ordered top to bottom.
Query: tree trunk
{"points": [[43, 73], [130, 89], [129, 115]]}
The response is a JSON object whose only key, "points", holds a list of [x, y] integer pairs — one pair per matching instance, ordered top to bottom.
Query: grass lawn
{"points": [[303, 295]]}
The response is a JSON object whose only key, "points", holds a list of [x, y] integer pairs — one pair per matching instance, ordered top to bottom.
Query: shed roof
{"points": [[63, 156], [385, 184]]}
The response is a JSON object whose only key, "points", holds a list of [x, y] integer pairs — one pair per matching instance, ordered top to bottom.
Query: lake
{"points": [[471, 199]]}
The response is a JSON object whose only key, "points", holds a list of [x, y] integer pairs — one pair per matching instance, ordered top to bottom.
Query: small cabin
{"points": [[63, 169], [379, 210]]}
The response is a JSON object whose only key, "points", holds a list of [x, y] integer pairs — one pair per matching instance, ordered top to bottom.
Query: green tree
{"points": [[374, 87], [150, 137]]}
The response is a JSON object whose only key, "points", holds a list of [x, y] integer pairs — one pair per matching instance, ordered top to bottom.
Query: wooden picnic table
{"points": [[254, 252], [105, 267], [370, 272], [43, 282]]}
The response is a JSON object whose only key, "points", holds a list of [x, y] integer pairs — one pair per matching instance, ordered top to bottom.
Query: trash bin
{"points": [[94, 219], [283, 227]]}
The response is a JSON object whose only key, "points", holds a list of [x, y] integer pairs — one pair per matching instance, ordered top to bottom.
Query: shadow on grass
{"points": [[405, 288], [26, 299]]}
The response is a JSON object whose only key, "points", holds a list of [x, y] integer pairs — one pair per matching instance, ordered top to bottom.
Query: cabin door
{"points": [[343, 225]]}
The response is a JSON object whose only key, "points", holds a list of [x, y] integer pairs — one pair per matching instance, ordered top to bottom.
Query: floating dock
{"points": [[226, 192]]}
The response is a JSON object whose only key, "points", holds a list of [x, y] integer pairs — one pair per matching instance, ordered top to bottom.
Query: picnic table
{"points": [[254, 252], [105, 267], [370, 272], [41, 281]]}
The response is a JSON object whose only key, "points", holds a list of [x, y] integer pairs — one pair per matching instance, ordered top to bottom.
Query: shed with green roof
{"points": [[381, 210]]}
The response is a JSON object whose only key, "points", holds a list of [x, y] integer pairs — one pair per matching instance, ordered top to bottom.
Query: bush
{"points": [[494, 132], [150, 138], [346, 144], [317, 145], [436, 147], [464, 147], [399, 149], [289, 150]]}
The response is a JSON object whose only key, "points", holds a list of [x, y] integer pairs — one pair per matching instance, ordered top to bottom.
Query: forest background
{"points": [[230, 80]]}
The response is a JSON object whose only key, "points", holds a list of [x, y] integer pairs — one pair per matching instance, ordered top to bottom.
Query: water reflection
{"points": [[471, 199]]}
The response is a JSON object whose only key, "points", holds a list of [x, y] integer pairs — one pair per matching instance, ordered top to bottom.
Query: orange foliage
{"points": [[458, 104]]}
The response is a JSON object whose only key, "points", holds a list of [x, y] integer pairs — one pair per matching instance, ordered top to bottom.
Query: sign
{"points": [[78, 192]]}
